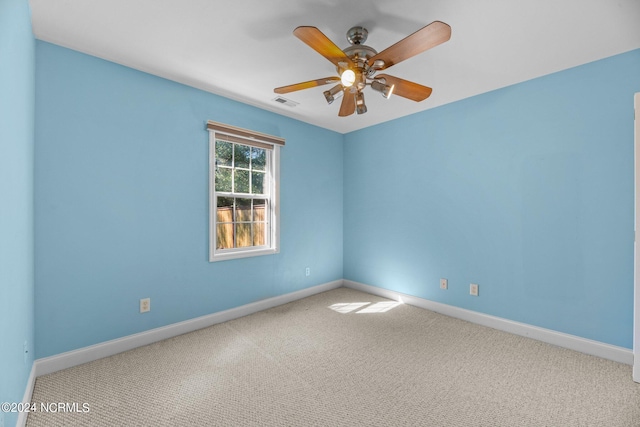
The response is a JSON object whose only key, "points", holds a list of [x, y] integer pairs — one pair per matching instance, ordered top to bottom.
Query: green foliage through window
{"points": [[240, 168]]}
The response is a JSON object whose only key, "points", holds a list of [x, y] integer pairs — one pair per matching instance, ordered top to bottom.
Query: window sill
{"points": [[242, 254]]}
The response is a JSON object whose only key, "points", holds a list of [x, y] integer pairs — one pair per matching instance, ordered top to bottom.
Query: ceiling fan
{"points": [[358, 64]]}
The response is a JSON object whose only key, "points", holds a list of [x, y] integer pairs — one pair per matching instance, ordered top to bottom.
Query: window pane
{"points": [[224, 151], [242, 153], [258, 158], [223, 179], [241, 181], [257, 182], [259, 208], [243, 210], [224, 213], [224, 227], [258, 234], [243, 235], [224, 236]]}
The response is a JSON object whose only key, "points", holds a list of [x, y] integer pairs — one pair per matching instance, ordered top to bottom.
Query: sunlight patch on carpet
{"points": [[347, 307], [380, 307]]}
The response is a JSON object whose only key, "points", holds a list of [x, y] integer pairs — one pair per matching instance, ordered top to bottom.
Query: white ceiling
{"points": [[243, 49]]}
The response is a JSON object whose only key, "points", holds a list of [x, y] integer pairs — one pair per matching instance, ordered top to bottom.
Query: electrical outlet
{"points": [[307, 271], [444, 284], [474, 289], [145, 305]]}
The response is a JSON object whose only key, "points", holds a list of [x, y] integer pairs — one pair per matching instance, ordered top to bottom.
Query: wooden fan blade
{"points": [[430, 36], [315, 39], [306, 85], [407, 89], [348, 105]]}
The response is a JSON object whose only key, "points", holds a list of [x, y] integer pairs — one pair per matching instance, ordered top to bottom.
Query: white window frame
{"points": [[272, 191]]}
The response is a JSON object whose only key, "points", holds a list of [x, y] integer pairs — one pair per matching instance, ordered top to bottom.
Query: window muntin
{"points": [[244, 197]]}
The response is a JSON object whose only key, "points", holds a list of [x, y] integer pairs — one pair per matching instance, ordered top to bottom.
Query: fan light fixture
{"points": [[348, 78], [384, 89], [331, 93], [361, 108]]}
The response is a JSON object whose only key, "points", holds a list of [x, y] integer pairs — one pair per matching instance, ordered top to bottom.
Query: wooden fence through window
{"points": [[245, 230]]}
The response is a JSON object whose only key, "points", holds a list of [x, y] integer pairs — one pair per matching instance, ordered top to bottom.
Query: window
{"points": [[243, 199]]}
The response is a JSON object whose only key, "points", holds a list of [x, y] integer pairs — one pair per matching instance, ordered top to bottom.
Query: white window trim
{"points": [[274, 202]]}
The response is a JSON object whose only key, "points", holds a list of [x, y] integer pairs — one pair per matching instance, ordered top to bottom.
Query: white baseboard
{"points": [[572, 342], [72, 358], [31, 382]]}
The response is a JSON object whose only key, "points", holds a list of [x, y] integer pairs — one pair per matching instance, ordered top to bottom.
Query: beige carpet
{"points": [[320, 362]]}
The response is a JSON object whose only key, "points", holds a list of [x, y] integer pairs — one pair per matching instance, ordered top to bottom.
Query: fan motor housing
{"points": [[360, 54]]}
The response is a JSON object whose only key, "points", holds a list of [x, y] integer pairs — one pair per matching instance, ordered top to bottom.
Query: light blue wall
{"points": [[17, 69], [527, 191], [122, 203]]}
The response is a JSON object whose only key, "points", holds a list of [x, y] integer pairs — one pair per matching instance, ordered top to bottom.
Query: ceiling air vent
{"points": [[285, 101]]}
